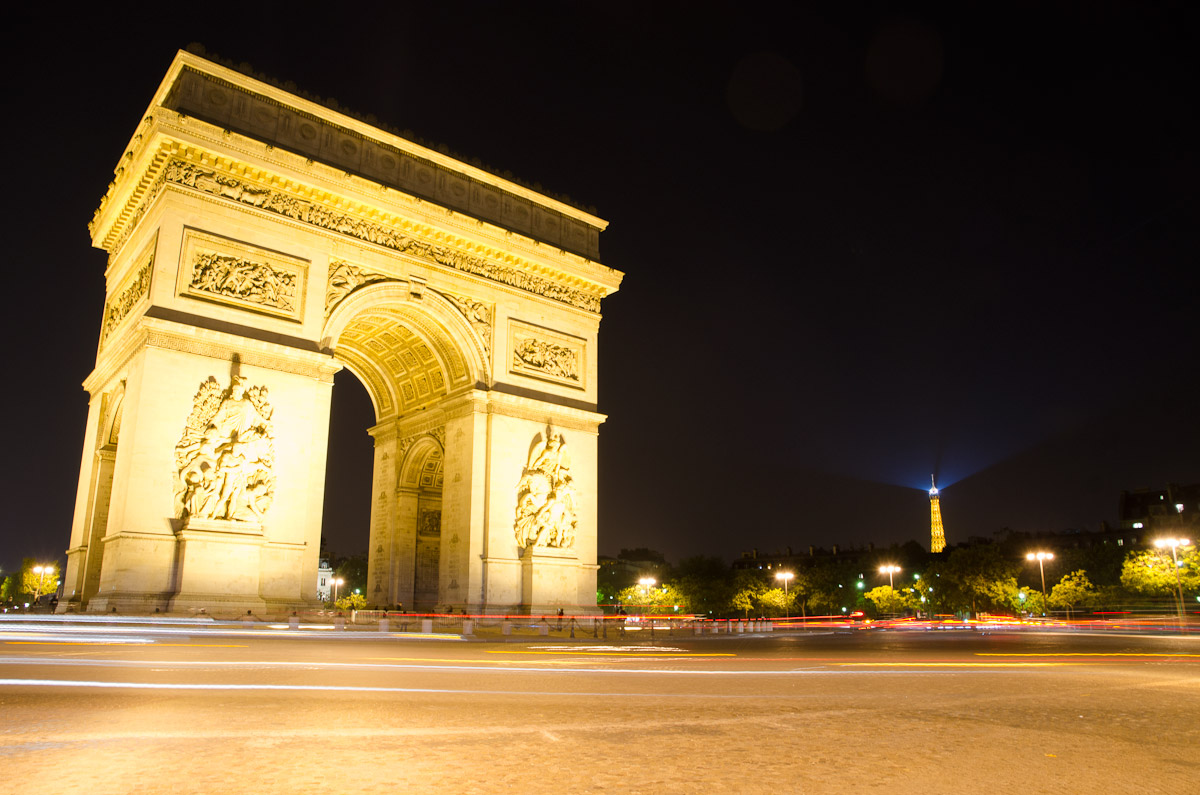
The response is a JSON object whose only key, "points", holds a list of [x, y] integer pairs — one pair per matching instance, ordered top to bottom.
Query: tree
{"points": [[353, 570], [1150, 572], [981, 573], [29, 584], [706, 584], [747, 586], [830, 586], [1073, 590], [654, 599], [351, 601], [743, 601], [889, 601], [775, 602]]}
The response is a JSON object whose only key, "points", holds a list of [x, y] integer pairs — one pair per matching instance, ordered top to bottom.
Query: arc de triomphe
{"points": [[258, 243]]}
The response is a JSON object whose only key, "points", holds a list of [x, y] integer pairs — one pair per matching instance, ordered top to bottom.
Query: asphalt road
{"points": [[247, 711]]}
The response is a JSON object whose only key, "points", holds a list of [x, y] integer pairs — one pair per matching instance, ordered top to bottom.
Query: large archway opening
{"points": [[410, 356], [346, 515]]}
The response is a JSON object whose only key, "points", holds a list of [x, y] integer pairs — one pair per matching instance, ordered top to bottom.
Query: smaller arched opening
{"points": [[420, 519]]}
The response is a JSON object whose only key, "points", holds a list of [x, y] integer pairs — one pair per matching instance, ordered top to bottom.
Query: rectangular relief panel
{"points": [[225, 271], [133, 290], [537, 352]]}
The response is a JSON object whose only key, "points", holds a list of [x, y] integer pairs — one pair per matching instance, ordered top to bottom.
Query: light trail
{"points": [[116, 642], [1080, 654], [653, 655], [957, 664], [203, 686]]}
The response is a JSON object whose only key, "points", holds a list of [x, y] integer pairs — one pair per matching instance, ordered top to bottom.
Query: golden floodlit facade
{"points": [[257, 244]]}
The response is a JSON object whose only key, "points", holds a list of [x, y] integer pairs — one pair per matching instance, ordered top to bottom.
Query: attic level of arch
{"points": [[231, 107], [173, 164]]}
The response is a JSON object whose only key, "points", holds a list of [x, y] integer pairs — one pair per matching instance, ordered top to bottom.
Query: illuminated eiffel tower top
{"points": [[937, 540]]}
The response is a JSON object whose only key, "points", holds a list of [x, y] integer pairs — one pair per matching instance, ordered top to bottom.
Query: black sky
{"points": [[862, 243]]}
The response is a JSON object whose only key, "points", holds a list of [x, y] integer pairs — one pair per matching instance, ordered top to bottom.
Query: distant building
{"points": [[1175, 509], [779, 561], [324, 581]]}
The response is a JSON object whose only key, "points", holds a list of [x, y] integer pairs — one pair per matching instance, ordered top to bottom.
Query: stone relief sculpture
{"points": [[209, 181], [240, 278], [343, 279], [119, 306], [479, 315], [546, 358], [226, 455], [546, 496], [430, 524]]}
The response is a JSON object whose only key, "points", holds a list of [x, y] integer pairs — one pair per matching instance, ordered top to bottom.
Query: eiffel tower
{"points": [[937, 533]]}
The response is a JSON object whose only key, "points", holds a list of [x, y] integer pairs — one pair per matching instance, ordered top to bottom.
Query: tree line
{"points": [[980, 578]]}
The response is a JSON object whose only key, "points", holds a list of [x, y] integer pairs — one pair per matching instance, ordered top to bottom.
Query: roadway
{"points": [[198, 710]]}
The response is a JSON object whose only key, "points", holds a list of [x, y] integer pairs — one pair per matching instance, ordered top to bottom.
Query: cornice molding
{"points": [[192, 169], [150, 332]]}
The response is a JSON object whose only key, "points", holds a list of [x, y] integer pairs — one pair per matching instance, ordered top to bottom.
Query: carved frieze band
{"points": [[229, 187], [240, 275], [133, 289], [541, 353]]}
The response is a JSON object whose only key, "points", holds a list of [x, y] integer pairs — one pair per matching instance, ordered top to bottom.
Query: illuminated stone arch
{"points": [[257, 244], [408, 352]]}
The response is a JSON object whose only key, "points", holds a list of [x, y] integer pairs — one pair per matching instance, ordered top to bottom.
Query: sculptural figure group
{"points": [[226, 455], [546, 496]]}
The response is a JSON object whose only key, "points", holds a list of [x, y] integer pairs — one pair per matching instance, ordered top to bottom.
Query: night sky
{"points": [[863, 243]]}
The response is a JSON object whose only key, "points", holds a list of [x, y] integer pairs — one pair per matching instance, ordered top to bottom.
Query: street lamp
{"points": [[1173, 543], [1041, 558], [889, 570], [41, 572], [786, 576], [337, 581], [647, 583]]}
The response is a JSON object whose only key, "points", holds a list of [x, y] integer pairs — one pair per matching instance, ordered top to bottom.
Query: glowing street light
{"points": [[1173, 543], [1041, 558], [889, 570], [41, 572], [786, 577], [337, 581]]}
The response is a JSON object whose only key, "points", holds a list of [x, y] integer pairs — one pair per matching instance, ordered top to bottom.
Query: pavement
{"points": [[157, 708]]}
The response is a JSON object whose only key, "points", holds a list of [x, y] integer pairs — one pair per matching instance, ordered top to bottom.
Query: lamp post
{"points": [[1173, 543], [1041, 558], [890, 570], [40, 571], [786, 577], [336, 582], [647, 583]]}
